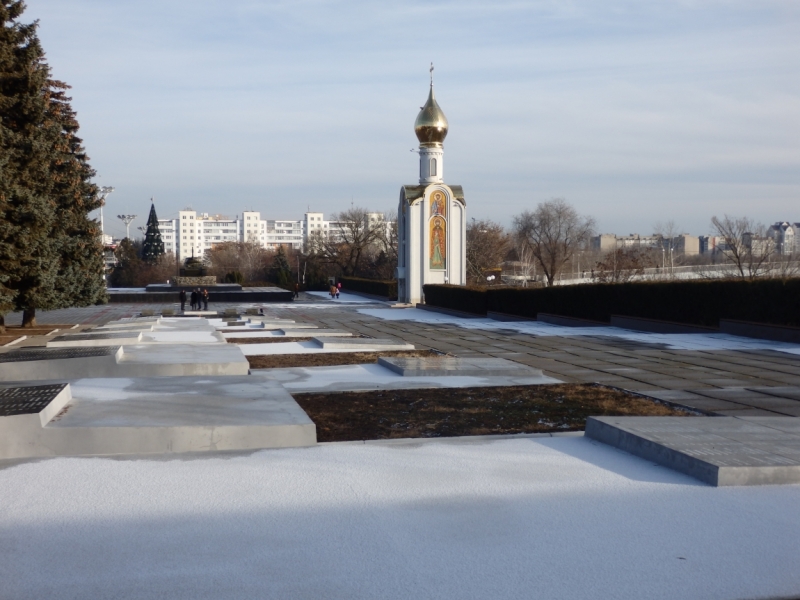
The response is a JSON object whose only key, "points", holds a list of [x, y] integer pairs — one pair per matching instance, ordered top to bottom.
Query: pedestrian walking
{"points": [[338, 288], [296, 290], [182, 297], [194, 299], [205, 299]]}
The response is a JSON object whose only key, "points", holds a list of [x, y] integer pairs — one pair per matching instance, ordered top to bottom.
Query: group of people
{"points": [[335, 290], [198, 299]]}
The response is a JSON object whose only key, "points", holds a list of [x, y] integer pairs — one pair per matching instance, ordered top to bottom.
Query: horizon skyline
{"points": [[633, 114]]}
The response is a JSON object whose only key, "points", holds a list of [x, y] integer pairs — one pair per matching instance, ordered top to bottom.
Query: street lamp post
{"points": [[102, 194], [127, 220]]}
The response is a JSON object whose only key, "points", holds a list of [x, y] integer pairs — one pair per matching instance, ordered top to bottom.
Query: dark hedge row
{"points": [[376, 287], [457, 297], [697, 302]]}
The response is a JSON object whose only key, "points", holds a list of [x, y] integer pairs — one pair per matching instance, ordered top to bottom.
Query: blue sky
{"points": [[635, 112]]}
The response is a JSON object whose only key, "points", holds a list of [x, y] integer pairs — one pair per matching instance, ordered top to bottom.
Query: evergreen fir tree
{"points": [[153, 247], [28, 252], [50, 254], [281, 269], [80, 278]]}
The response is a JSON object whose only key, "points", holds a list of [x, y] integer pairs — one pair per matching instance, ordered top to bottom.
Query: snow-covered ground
{"points": [[674, 341], [525, 518]]}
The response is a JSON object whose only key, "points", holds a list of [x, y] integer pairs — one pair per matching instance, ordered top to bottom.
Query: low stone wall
{"points": [[204, 281]]}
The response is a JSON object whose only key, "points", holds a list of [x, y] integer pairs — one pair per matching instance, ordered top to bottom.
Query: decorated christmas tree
{"points": [[153, 246]]}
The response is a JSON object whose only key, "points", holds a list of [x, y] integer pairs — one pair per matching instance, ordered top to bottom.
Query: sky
{"points": [[637, 113]]}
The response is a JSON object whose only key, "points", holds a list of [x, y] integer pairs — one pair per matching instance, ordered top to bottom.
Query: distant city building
{"points": [[193, 233], [784, 235], [680, 244], [686, 244], [758, 245]]}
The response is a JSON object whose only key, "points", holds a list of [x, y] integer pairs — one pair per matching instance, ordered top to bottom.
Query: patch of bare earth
{"points": [[14, 332], [329, 359], [448, 412]]}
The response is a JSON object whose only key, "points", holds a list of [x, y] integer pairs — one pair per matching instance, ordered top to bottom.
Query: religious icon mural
{"points": [[438, 204], [438, 251]]}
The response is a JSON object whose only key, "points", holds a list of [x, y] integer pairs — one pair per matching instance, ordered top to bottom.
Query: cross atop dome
{"points": [[431, 124]]}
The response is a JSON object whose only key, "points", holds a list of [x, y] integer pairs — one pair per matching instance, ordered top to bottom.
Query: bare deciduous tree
{"points": [[553, 232], [666, 232], [352, 235], [745, 244], [487, 246], [248, 258], [623, 264]]}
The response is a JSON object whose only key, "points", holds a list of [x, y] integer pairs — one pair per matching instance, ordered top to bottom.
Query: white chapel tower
{"points": [[431, 217]]}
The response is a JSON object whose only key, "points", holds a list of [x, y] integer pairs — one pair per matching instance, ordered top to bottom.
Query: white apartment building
{"points": [[193, 233]]}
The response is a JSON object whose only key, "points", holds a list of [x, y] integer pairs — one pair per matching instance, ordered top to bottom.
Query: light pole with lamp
{"points": [[102, 194], [127, 220]]}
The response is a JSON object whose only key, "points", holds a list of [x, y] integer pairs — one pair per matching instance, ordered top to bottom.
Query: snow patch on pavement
{"points": [[674, 341], [374, 376], [522, 518]]}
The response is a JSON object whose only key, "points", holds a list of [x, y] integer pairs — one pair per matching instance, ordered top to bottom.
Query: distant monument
{"points": [[432, 216]]}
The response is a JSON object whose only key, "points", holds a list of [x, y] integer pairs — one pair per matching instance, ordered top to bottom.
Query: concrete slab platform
{"points": [[271, 320], [270, 326], [115, 327], [299, 332], [183, 337], [95, 339], [361, 344], [301, 347], [150, 360], [454, 366], [350, 378], [161, 415], [720, 451]]}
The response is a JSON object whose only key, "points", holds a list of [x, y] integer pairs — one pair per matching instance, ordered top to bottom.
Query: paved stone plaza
{"points": [[710, 373], [751, 380], [742, 382], [189, 508]]}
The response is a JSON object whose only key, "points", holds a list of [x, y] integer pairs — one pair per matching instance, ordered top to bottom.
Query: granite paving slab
{"points": [[40, 354], [790, 392], [28, 400], [163, 415], [720, 451]]}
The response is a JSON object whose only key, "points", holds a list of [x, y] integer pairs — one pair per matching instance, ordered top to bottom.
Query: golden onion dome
{"points": [[431, 124]]}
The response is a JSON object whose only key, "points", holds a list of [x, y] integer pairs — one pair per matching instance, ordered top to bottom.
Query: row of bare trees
{"points": [[544, 240], [554, 240], [358, 243]]}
